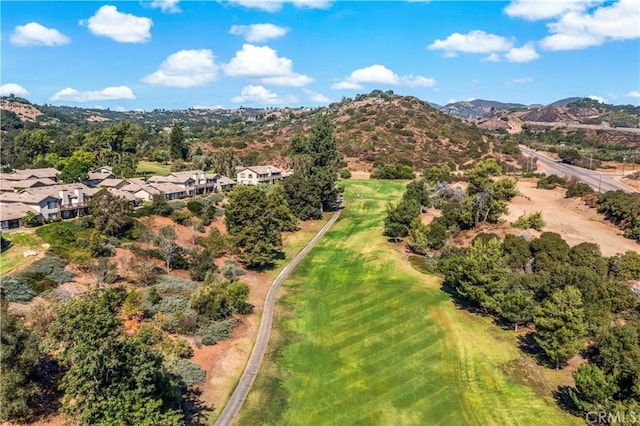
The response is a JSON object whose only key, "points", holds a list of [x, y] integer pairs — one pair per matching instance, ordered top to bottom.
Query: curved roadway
{"points": [[600, 181], [255, 360]]}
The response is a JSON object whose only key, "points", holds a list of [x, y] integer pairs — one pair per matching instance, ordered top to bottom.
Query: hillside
{"points": [[477, 108], [378, 127], [371, 128]]}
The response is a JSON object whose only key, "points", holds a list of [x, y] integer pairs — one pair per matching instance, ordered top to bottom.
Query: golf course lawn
{"points": [[362, 338]]}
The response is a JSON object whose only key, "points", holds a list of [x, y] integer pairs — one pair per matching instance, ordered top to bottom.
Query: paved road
{"points": [[585, 126], [597, 180], [253, 366]]}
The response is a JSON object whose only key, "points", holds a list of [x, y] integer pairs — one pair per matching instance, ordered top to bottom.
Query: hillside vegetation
{"points": [[380, 127]]}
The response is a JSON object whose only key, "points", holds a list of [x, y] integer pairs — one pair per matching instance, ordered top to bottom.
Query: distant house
{"points": [[25, 174], [98, 175], [259, 175], [194, 182], [113, 183], [224, 183], [19, 185], [171, 191], [142, 192], [11, 215]]}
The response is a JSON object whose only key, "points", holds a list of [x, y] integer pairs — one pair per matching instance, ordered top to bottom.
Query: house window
{"points": [[241, 175], [52, 204]]}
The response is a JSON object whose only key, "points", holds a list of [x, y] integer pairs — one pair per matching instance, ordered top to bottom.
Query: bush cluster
{"points": [[398, 171], [551, 181], [578, 189], [530, 221], [43, 274], [214, 331], [190, 374]]}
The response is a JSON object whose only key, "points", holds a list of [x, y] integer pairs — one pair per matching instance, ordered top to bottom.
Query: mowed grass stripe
{"points": [[363, 339]]}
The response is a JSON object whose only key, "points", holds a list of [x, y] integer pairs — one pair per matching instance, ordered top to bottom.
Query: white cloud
{"points": [[275, 5], [166, 6], [533, 10], [122, 27], [581, 29], [258, 32], [35, 34], [475, 41], [526, 53], [493, 57], [263, 63], [185, 68], [379, 74], [522, 80], [417, 81], [13, 89], [106, 94], [634, 94], [260, 95], [317, 97], [598, 98], [213, 107]]}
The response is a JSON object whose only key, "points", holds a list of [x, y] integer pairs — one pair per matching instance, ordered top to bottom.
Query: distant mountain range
{"points": [[574, 110]]}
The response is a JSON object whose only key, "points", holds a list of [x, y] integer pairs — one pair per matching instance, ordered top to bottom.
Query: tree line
{"points": [[574, 299]]}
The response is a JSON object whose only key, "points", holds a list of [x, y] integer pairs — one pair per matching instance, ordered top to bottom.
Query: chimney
{"points": [[79, 195], [64, 196]]}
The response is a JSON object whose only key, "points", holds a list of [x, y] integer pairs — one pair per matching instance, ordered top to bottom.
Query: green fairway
{"points": [[151, 168], [361, 338]]}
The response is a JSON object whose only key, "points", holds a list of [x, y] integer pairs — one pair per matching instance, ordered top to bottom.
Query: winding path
{"points": [[255, 360]]}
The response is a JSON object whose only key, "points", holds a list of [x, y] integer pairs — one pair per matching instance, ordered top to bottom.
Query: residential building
{"points": [[25, 174], [98, 175], [259, 175], [11, 215]]}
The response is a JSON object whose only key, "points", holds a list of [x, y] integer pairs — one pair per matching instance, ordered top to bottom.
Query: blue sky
{"points": [[179, 54]]}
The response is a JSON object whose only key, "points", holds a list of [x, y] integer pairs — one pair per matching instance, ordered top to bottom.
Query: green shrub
{"points": [[345, 174], [551, 181], [578, 189], [177, 205], [195, 207], [181, 218], [530, 221], [68, 240], [45, 274], [167, 285], [15, 290], [214, 331], [149, 334], [175, 348], [190, 374]]}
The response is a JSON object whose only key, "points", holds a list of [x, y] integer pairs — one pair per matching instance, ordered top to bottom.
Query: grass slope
{"points": [[151, 168], [11, 258], [362, 339]]}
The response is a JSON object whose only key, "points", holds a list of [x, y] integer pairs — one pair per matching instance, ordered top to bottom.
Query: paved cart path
{"points": [[255, 360]]}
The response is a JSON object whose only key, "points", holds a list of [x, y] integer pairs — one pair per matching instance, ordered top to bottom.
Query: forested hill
{"points": [[377, 127]]}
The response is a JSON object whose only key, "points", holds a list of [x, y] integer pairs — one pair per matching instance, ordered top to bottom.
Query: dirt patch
{"points": [[429, 214], [569, 217]]}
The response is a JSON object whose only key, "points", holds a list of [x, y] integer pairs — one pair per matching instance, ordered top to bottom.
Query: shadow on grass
{"points": [[462, 303], [562, 395]]}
